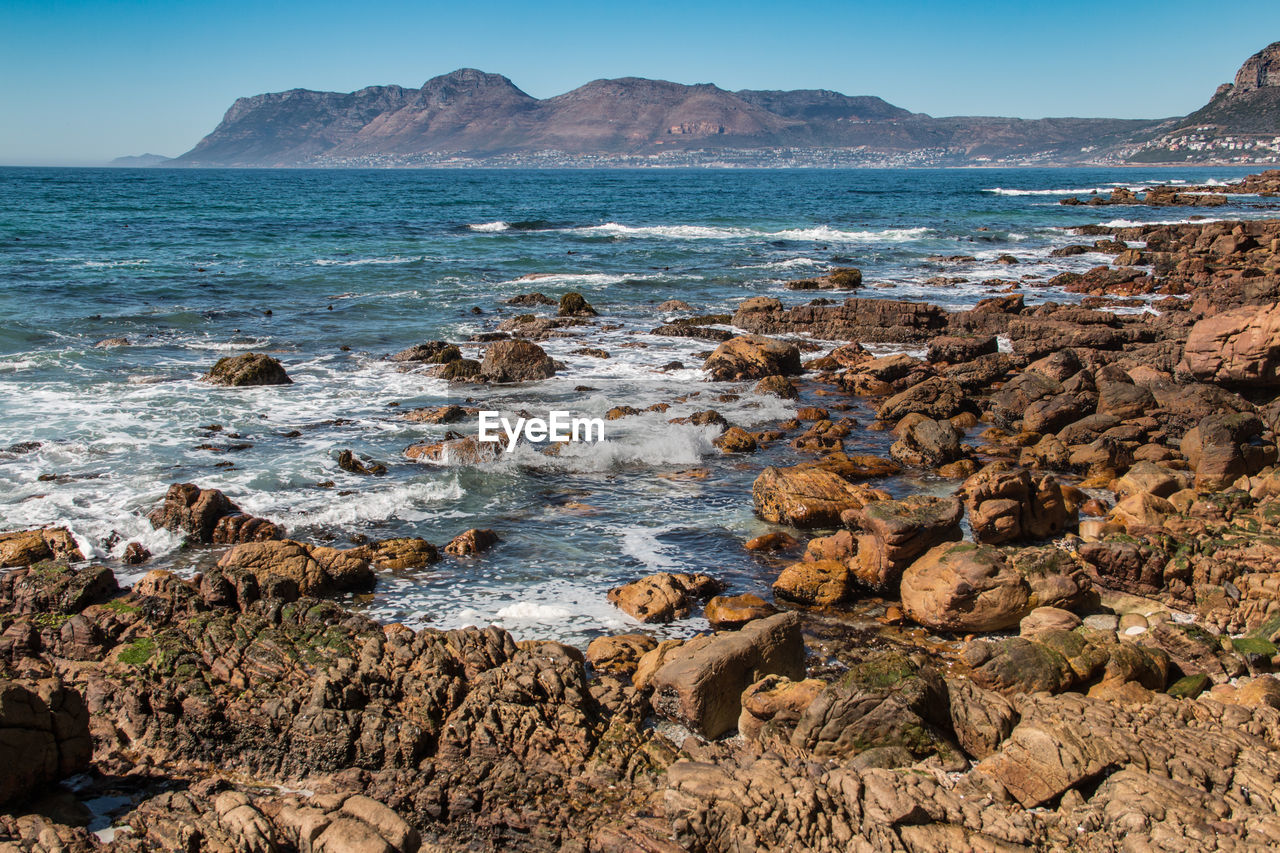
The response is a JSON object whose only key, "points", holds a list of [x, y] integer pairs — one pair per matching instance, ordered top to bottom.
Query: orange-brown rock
{"points": [[752, 357], [804, 497], [471, 542], [24, 547], [314, 568], [662, 597], [733, 611]]}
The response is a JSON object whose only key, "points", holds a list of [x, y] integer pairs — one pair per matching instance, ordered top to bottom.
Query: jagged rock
{"points": [[838, 278], [573, 305], [1236, 347], [952, 349], [432, 352], [752, 357], [516, 361], [248, 369], [778, 386], [937, 398], [1010, 403], [448, 414], [1051, 414], [735, 440], [927, 443], [1221, 449], [466, 450], [348, 462], [804, 497], [1006, 504], [207, 516], [894, 533], [471, 542], [24, 547], [399, 553], [315, 569], [55, 589], [663, 597], [619, 653], [701, 685], [778, 700], [981, 719], [44, 736]]}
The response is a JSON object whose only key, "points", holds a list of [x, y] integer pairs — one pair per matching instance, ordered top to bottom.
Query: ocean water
{"points": [[331, 271]]}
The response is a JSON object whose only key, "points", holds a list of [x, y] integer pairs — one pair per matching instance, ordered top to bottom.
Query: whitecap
{"points": [[490, 227], [360, 262]]}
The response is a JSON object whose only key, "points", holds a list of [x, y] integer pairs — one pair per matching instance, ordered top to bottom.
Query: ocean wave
{"points": [[1017, 192], [490, 227], [823, 233], [137, 262], [360, 262], [789, 264], [596, 278]]}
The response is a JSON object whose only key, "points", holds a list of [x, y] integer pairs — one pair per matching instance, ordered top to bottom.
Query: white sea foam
{"points": [[1062, 192], [490, 227], [821, 233], [360, 262], [790, 263], [593, 279], [532, 611]]}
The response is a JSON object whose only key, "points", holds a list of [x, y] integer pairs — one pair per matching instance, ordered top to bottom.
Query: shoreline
{"points": [[1094, 483]]}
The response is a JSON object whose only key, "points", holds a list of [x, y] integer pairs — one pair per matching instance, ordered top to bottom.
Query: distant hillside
{"points": [[470, 116], [1242, 120], [141, 160]]}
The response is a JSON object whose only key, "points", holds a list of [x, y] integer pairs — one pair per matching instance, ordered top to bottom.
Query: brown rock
{"points": [[572, 304], [1236, 347], [752, 357], [516, 361], [248, 369], [735, 440], [927, 443], [456, 451], [804, 497], [1006, 504], [208, 516], [895, 533], [775, 541], [471, 542], [24, 547], [400, 553], [315, 569], [819, 583], [964, 587], [662, 597], [729, 612], [620, 653], [701, 685], [775, 699]]}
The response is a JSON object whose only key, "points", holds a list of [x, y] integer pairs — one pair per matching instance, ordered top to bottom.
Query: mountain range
{"points": [[469, 116]]}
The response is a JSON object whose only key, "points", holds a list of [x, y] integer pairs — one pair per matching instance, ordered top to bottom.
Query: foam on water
{"points": [[490, 227]]}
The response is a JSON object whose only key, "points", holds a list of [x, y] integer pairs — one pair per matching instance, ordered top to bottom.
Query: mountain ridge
{"points": [[473, 116]]}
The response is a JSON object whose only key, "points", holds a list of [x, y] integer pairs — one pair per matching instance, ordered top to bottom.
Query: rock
{"points": [[838, 278], [573, 305], [674, 305], [110, 343], [1240, 346], [952, 349], [432, 352], [752, 357], [516, 361], [248, 369], [778, 386], [937, 398], [1124, 400], [449, 414], [1051, 414], [735, 440], [927, 443], [1221, 449], [466, 450], [348, 462], [853, 468], [1150, 478], [804, 497], [1006, 504], [1142, 510], [207, 516], [894, 533], [775, 541], [471, 542], [25, 547], [400, 553], [135, 554], [315, 569], [818, 583], [963, 587], [662, 597], [729, 612], [1048, 618], [619, 654], [1024, 665], [701, 685], [776, 699], [981, 719], [44, 736]]}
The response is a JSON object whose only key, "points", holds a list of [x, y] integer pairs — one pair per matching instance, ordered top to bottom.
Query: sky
{"points": [[83, 82]]}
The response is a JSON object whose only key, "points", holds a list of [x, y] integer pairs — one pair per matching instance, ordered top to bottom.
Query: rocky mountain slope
{"points": [[478, 116]]}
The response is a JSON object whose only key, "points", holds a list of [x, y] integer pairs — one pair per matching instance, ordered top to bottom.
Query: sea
{"points": [[332, 271]]}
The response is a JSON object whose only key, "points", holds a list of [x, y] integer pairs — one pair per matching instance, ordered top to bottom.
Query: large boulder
{"points": [[573, 304], [1236, 347], [752, 357], [516, 361], [252, 368], [934, 398], [1011, 402], [927, 443], [1224, 447], [805, 497], [1007, 504], [207, 516], [894, 533], [24, 547], [399, 553], [315, 569], [818, 583], [963, 587], [663, 597], [701, 683], [44, 736]]}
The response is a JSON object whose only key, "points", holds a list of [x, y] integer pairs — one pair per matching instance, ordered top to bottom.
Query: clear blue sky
{"points": [[87, 81]]}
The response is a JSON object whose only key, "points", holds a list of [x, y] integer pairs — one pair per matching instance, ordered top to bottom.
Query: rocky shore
{"points": [[1067, 642]]}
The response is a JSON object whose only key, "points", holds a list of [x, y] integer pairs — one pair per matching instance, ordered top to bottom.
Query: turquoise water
{"points": [[331, 271]]}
